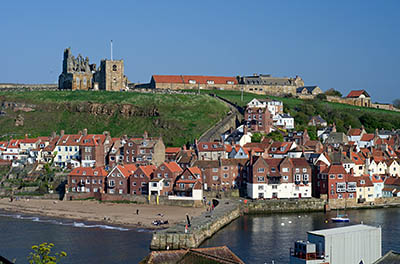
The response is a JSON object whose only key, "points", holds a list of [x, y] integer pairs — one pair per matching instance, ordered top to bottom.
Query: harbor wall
{"points": [[202, 227]]}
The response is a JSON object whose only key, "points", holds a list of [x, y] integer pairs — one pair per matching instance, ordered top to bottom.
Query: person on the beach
{"points": [[137, 211]]}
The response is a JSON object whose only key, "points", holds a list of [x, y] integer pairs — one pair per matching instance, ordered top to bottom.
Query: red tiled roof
{"points": [[168, 78], [357, 93], [355, 132], [367, 137], [29, 140], [210, 146], [172, 150], [173, 166], [148, 169], [335, 169], [88, 171]]}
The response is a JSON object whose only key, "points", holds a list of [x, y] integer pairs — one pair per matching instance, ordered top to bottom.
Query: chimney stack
{"points": [[62, 132], [84, 133], [145, 135]]}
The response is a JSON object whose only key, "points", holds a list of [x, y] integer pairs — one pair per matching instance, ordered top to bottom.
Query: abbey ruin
{"points": [[79, 74]]}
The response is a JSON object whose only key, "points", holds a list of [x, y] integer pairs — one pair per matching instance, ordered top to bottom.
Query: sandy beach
{"points": [[110, 213]]}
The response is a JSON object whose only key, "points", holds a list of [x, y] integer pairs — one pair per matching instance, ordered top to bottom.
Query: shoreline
{"points": [[120, 215]]}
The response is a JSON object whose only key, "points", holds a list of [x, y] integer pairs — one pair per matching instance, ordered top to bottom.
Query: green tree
{"points": [[333, 92], [396, 103], [276, 136], [256, 137], [42, 254]]}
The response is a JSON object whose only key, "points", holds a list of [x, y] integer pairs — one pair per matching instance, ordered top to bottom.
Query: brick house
{"points": [[258, 119], [94, 148], [211, 150], [143, 151], [171, 154], [186, 158], [168, 171], [221, 174], [278, 178], [87, 179], [118, 179], [188, 179], [139, 180], [333, 182]]}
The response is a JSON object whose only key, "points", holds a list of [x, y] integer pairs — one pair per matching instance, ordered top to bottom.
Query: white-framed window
{"points": [[210, 82], [285, 169], [304, 169], [260, 170], [297, 170], [225, 175], [298, 177], [305, 177], [215, 178], [260, 178], [285, 178], [73, 181], [87, 181], [94, 181], [111, 183], [121, 183], [133, 183], [260, 187], [95, 189], [111, 191], [120, 191]]}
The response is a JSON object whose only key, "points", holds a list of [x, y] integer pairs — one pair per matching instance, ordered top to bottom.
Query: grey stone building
{"points": [[78, 74]]}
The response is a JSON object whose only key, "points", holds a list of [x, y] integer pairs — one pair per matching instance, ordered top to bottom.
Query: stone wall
{"points": [[9, 87], [354, 203], [282, 206], [202, 227]]}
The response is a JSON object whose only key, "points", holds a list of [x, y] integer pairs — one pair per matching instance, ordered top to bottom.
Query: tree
{"points": [[333, 92], [321, 97], [396, 103], [276, 136], [257, 137], [41, 254]]}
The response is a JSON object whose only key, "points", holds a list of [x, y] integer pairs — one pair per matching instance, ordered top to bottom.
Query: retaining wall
{"points": [[282, 206], [202, 227]]}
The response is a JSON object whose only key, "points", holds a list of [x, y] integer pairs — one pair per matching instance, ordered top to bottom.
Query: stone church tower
{"points": [[110, 76]]}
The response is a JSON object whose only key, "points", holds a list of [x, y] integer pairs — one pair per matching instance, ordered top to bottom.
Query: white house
{"points": [[283, 120]]}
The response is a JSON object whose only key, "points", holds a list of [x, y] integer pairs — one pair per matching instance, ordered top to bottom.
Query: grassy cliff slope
{"points": [[341, 114], [178, 118]]}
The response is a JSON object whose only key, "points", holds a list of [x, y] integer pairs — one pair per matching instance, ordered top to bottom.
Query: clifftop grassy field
{"points": [[178, 118]]}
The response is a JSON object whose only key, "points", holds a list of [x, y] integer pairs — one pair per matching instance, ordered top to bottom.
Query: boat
{"points": [[340, 218]]}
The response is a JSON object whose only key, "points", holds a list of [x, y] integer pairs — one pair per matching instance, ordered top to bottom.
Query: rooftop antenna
{"points": [[111, 50]]}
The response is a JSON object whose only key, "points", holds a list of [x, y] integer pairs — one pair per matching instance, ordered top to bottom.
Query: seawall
{"points": [[20, 87], [207, 224], [202, 227]]}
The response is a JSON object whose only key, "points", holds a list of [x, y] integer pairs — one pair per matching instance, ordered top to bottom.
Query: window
{"points": [[114, 67], [192, 81], [210, 82], [229, 82], [225, 168], [215, 169], [285, 169], [304, 169], [260, 170], [273, 170], [297, 170], [159, 175], [165, 175], [225, 175], [141, 176], [332, 176], [340, 176], [298, 177], [305, 177], [215, 178], [261, 178], [285, 178], [73, 181], [87, 181], [94, 181], [362, 182], [111, 183], [121, 183], [133, 183], [143, 183], [166, 184], [182, 185], [260, 187], [274, 187], [340, 187], [120, 191]]}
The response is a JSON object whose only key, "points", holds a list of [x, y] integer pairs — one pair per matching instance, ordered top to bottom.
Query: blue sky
{"points": [[341, 44]]}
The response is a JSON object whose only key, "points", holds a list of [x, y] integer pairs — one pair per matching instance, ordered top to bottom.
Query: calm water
{"points": [[255, 239], [261, 239], [83, 242]]}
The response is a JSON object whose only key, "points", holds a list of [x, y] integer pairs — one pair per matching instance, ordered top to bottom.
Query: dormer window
{"points": [[192, 81], [210, 82], [229, 82], [144, 143], [130, 144], [205, 146], [84, 173], [96, 173], [362, 182]]}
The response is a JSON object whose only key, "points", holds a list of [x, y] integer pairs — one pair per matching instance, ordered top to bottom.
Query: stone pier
{"points": [[202, 227]]}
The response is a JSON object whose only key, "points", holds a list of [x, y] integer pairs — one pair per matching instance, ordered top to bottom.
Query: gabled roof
{"points": [[199, 79], [357, 93], [354, 132], [367, 137], [29, 140], [210, 146], [172, 150], [173, 166], [335, 169], [126, 170], [148, 170], [88, 171]]}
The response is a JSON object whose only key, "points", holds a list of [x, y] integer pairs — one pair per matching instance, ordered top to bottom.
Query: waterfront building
{"points": [[164, 177], [278, 178], [118, 179], [140, 179], [87, 180], [342, 245]]}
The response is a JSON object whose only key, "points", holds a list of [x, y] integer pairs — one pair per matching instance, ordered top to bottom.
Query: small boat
{"points": [[340, 218]]}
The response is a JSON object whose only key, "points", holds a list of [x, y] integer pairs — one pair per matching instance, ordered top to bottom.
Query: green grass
{"points": [[341, 114], [182, 118]]}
